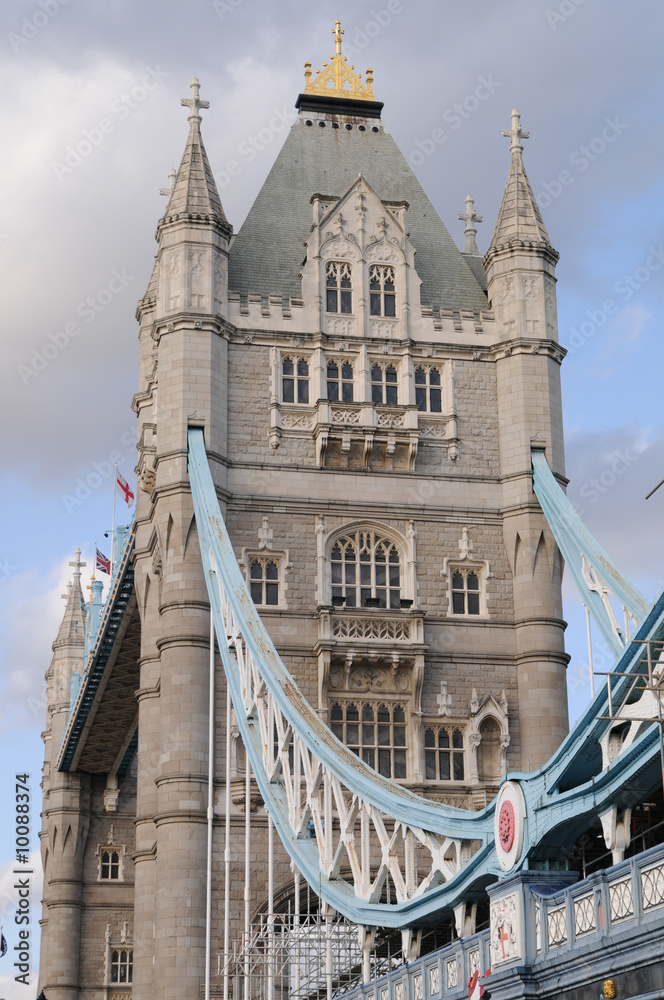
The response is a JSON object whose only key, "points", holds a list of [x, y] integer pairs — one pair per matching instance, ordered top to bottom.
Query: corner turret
{"points": [[520, 262], [521, 285]]}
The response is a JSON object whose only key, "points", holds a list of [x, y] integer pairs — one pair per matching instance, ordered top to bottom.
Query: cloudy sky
{"points": [[91, 124]]}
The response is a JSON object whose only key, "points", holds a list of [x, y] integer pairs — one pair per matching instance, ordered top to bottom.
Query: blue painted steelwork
{"points": [[575, 542], [111, 618], [568, 793], [387, 796], [628, 936]]}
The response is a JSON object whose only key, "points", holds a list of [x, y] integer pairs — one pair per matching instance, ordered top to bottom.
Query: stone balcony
{"points": [[363, 435], [371, 626], [371, 649]]}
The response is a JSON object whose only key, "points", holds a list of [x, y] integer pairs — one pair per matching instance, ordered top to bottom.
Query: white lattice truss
{"points": [[348, 831]]}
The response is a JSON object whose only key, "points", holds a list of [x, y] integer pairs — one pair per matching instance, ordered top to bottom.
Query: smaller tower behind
{"points": [[65, 814]]}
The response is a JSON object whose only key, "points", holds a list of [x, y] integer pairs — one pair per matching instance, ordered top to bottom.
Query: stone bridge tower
{"points": [[369, 396]]}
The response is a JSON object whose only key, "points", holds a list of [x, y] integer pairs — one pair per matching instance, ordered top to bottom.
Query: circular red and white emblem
{"points": [[509, 819], [506, 825]]}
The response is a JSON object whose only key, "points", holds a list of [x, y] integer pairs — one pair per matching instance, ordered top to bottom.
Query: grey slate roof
{"points": [[267, 253], [476, 266]]}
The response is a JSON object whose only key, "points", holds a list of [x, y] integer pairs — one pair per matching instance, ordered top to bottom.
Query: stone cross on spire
{"points": [[338, 32], [194, 102], [516, 132], [171, 183], [470, 216], [77, 564]]}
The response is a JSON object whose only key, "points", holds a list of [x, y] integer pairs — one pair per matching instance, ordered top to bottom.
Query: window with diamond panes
{"points": [[339, 287], [382, 291], [295, 380], [340, 381], [384, 388], [428, 394], [366, 571], [264, 581], [465, 592], [376, 732], [443, 754], [109, 867], [122, 965]]}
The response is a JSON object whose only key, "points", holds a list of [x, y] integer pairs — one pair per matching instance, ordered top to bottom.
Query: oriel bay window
{"points": [[339, 287], [365, 570], [376, 732]]}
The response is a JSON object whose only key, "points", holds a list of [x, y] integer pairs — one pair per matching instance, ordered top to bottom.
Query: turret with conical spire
{"points": [[195, 191], [519, 217], [520, 265], [184, 381], [64, 817]]}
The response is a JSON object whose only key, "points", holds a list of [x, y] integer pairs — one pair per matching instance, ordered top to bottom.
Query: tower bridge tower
{"points": [[368, 405]]}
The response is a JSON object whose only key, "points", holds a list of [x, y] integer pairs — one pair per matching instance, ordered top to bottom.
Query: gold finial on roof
{"points": [[337, 79]]}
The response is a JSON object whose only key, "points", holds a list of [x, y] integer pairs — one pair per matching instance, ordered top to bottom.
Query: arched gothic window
{"points": [[338, 287], [382, 290], [295, 380], [340, 381], [384, 385], [428, 395], [366, 570], [264, 581], [465, 592], [376, 732], [443, 754], [109, 865], [122, 965]]}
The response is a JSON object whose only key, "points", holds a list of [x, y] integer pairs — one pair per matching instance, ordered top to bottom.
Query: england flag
{"points": [[123, 487]]}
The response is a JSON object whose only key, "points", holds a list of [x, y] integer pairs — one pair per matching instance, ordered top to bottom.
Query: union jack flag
{"points": [[123, 486], [102, 562]]}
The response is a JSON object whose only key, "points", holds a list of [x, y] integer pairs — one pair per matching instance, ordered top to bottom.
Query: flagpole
{"points": [[115, 490]]}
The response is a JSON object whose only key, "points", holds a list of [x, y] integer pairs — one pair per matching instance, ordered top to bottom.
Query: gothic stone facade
{"points": [[369, 396]]}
